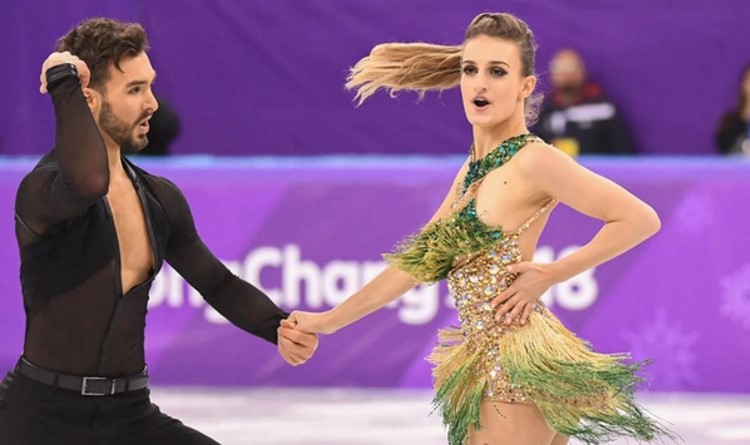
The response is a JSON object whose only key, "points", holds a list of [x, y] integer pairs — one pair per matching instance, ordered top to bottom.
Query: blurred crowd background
{"points": [[266, 78]]}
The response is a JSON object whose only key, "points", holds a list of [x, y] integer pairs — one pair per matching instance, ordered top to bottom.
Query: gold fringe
{"points": [[449, 355], [460, 387], [581, 393]]}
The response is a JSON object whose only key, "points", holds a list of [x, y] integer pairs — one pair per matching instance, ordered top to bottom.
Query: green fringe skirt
{"points": [[582, 394]]}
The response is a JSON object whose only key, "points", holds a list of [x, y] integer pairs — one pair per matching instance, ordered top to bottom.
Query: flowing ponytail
{"points": [[396, 67], [423, 67]]}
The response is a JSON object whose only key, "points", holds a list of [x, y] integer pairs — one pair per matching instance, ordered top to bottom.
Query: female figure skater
{"points": [[511, 374]]}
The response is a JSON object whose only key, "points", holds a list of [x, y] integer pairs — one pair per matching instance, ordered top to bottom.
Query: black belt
{"points": [[87, 386]]}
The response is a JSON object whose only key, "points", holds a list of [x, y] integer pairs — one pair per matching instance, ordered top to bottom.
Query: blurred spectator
{"points": [[576, 116], [164, 127], [733, 134]]}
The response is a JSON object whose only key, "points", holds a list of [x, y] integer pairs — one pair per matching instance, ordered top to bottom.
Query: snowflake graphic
{"points": [[696, 214], [735, 296], [672, 350]]}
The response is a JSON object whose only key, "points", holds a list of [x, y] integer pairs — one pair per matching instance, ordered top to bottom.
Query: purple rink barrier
{"points": [[311, 231]]}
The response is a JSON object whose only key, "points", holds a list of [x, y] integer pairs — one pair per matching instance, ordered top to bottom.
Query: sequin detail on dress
{"points": [[581, 393]]}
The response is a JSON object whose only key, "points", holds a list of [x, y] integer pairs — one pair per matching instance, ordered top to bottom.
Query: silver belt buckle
{"points": [[84, 386]]}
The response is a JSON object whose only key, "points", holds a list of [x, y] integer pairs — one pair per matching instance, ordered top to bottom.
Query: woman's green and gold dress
{"points": [[581, 393]]}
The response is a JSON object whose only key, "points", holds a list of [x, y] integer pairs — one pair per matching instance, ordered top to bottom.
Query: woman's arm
{"points": [[628, 221], [381, 290]]}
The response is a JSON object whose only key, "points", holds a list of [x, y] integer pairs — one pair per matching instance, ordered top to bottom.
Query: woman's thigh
{"points": [[511, 424]]}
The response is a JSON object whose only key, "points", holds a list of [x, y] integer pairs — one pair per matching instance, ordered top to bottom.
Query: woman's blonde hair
{"points": [[423, 67]]}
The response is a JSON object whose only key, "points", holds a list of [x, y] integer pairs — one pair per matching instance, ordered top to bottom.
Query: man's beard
{"points": [[120, 131]]}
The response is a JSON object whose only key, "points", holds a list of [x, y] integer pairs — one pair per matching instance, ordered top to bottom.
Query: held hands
{"points": [[55, 59], [519, 298], [317, 323], [298, 338], [295, 347]]}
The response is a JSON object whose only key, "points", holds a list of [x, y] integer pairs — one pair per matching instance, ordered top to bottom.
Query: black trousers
{"points": [[33, 413]]}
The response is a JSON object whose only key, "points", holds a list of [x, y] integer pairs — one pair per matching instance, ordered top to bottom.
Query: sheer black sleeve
{"points": [[77, 174], [243, 304]]}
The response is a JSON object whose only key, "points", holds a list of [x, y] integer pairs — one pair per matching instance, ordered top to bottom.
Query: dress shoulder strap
{"points": [[548, 205]]}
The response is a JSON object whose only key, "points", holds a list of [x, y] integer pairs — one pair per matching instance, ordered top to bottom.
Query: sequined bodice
{"points": [[431, 254], [470, 254], [477, 279], [477, 282], [474, 283]]}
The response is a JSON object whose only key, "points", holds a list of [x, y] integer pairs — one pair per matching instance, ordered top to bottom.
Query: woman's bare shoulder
{"points": [[537, 157]]}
